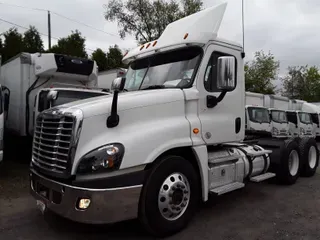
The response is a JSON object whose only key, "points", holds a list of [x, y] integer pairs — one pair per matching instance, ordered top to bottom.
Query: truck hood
{"points": [[126, 100]]}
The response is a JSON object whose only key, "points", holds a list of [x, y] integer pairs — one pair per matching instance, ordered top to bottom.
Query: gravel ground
{"points": [[259, 211]]}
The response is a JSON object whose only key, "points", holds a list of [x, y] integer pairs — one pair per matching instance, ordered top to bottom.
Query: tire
{"points": [[309, 156], [289, 169], [154, 214]]}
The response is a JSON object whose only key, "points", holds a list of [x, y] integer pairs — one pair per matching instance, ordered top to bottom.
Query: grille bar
{"points": [[52, 142]]}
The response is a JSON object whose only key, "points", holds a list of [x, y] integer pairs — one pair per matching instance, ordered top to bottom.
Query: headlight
{"points": [[275, 131], [302, 131], [102, 159]]}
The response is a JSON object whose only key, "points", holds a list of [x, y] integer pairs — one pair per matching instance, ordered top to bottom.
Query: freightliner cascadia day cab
{"points": [[26, 73], [153, 151]]}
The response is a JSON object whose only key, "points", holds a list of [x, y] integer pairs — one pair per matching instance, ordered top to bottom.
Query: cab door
{"points": [[221, 112]]}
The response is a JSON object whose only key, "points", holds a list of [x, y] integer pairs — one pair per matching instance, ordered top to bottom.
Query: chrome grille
{"points": [[52, 142]]}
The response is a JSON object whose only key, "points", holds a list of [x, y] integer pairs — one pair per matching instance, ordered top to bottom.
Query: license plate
{"points": [[41, 205]]}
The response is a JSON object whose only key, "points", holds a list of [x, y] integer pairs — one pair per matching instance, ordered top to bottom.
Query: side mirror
{"points": [[226, 79], [118, 84], [52, 95]]}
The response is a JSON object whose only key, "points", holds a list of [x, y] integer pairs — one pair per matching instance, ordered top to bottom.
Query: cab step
{"points": [[262, 177], [227, 188]]}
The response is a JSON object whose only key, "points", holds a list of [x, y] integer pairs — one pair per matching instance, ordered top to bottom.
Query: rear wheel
{"points": [[309, 155], [289, 169], [169, 197]]}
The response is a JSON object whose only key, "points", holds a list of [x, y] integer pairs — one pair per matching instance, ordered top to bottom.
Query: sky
{"points": [[287, 28]]}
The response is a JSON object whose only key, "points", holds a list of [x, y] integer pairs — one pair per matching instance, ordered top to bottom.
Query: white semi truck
{"points": [[300, 122], [152, 151]]}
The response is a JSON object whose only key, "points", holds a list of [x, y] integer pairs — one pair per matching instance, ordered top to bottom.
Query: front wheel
{"points": [[169, 197]]}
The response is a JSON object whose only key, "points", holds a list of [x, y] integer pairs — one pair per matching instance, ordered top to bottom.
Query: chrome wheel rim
{"points": [[312, 157], [293, 162], [174, 196]]}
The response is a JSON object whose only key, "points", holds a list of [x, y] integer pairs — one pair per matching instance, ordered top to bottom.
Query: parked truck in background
{"points": [[26, 73], [105, 78], [52, 97], [277, 106], [314, 111], [265, 115], [300, 122], [152, 151]]}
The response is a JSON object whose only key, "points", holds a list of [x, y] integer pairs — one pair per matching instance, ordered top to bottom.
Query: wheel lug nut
{"points": [[183, 187], [185, 191], [186, 199], [183, 205], [178, 209]]}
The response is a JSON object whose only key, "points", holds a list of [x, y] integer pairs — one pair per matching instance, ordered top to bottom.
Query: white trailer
{"points": [[26, 73], [105, 78], [154, 152]]}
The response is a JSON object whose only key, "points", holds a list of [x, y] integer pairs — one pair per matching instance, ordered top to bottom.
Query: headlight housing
{"points": [[275, 131], [103, 159]]}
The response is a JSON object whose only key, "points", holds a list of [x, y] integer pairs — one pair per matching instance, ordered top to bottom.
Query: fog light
{"points": [[84, 203]]}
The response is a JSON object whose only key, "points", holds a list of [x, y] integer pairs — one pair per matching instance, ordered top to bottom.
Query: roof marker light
{"points": [[186, 35], [155, 43], [148, 45], [141, 47]]}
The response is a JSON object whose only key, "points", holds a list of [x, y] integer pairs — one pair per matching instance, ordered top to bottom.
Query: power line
{"points": [[60, 15], [17, 25]]}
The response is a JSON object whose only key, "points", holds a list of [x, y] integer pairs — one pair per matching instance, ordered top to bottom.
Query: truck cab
{"points": [[314, 112], [257, 120], [279, 123], [300, 124], [153, 151]]}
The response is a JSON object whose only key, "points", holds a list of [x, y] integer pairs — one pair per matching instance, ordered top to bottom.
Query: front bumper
{"points": [[107, 205]]}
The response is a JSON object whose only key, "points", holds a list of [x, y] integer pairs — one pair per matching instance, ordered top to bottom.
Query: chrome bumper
{"points": [[107, 205]]}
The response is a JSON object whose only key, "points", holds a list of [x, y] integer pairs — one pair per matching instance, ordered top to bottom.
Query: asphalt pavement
{"points": [[259, 211]]}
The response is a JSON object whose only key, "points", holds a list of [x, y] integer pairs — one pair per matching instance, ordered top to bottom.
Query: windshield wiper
{"points": [[154, 87]]}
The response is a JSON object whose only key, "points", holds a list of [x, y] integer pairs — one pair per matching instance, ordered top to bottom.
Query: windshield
{"points": [[173, 69], [64, 97], [260, 115], [279, 116], [305, 118], [315, 118]]}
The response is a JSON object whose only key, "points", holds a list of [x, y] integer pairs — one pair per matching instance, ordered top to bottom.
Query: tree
{"points": [[147, 19], [32, 41], [12, 45], [73, 45], [1, 49], [101, 58], [114, 58], [260, 72], [302, 82]]}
